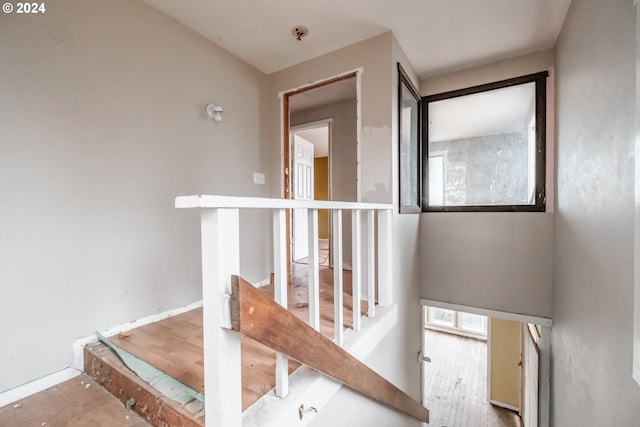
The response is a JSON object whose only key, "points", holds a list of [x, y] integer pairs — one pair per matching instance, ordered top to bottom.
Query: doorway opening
{"points": [[321, 130], [310, 181], [484, 366]]}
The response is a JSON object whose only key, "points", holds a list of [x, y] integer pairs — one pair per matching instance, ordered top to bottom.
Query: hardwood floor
{"points": [[174, 345], [456, 384], [77, 402]]}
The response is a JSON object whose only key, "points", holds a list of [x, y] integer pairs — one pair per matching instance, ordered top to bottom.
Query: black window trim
{"points": [[404, 79], [540, 80]]}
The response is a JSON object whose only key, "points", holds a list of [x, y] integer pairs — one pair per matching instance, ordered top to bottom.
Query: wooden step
{"points": [[106, 368], [79, 401]]}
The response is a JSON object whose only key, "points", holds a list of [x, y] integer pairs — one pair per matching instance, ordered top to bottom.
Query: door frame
{"points": [[312, 125], [285, 139], [528, 337]]}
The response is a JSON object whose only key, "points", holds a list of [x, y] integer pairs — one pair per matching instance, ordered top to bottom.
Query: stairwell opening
{"points": [[486, 365]]}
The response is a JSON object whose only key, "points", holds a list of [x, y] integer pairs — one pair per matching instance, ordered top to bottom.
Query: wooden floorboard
{"points": [[174, 345], [456, 384], [77, 402]]}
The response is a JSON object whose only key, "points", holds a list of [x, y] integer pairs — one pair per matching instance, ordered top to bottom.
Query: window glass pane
{"points": [[487, 144], [409, 148], [436, 180], [440, 316], [473, 322]]}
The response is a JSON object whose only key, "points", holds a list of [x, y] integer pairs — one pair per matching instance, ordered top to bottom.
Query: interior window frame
{"points": [[540, 80], [404, 81], [456, 328]]}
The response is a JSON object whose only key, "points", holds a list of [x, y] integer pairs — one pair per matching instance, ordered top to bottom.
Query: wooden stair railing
{"points": [[257, 316]]}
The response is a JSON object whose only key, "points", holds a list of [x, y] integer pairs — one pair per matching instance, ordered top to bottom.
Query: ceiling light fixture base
{"points": [[299, 32]]}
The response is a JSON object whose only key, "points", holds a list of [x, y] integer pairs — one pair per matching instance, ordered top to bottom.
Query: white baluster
{"points": [[371, 262], [356, 267], [314, 271], [280, 291], [338, 316]]}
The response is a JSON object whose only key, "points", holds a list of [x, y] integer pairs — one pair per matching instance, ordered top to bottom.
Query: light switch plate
{"points": [[258, 178]]}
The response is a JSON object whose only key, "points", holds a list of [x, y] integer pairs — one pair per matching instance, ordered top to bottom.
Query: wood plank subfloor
{"points": [[174, 345], [456, 384], [78, 402]]}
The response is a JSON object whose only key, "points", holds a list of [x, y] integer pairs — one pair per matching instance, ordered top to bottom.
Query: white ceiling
{"points": [[437, 35], [486, 113]]}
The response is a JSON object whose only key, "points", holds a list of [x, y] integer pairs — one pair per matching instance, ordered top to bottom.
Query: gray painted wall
{"points": [[103, 125], [593, 245], [494, 260]]}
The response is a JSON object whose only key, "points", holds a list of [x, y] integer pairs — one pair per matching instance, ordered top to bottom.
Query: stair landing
{"points": [[174, 345], [79, 401]]}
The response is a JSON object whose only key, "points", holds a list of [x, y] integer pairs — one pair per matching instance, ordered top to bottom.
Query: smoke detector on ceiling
{"points": [[299, 32]]}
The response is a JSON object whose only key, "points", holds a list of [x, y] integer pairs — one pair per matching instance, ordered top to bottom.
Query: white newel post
{"points": [[385, 253], [220, 260], [356, 267], [314, 271], [280, 291], [338, 316]]}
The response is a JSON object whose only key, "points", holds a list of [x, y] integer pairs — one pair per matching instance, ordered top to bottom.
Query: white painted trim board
{"points": [[505, 315], [77, 366]]}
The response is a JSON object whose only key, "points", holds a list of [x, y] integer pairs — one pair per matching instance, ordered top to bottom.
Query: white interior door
{"points": [[302, 190]]}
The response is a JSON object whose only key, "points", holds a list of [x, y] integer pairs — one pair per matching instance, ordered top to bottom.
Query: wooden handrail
{"points": [[257, 316]]}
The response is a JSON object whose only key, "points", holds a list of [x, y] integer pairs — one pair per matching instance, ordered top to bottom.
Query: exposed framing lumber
{"points": [[257, 316]]}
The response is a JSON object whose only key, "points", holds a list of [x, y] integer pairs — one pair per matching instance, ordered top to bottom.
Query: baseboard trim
{"points": [[78, 345], [18, 393]]}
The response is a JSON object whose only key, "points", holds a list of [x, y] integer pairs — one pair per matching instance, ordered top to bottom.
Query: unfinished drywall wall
{"points": [[103, 125], [375, 170], [467, 182], [499, 261], [593, 264], [395, 358]]}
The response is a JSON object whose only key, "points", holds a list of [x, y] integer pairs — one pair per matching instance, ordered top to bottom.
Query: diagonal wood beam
{"points": [[257, 316]]}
